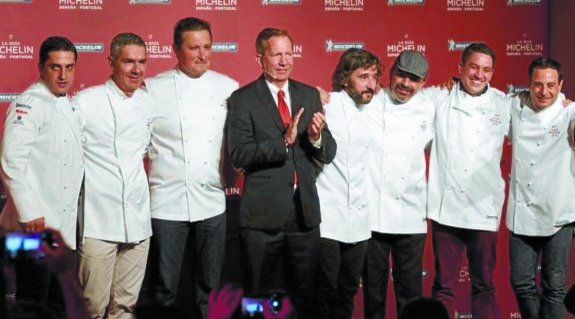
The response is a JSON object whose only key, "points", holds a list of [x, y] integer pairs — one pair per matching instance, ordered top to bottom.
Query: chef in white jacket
{"points": [[41, 159], [342, 185], [466, 190], [187, 194], [541, 205], [115, 222], [399, 223]]}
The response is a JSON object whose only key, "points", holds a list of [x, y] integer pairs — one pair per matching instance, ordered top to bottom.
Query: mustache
{"points": [[404, 87], [368, 91]]}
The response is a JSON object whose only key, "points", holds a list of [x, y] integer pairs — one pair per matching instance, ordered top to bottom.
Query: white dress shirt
{"points": [[274, 91], [408, 128], [116, 136], [186, 149], [41, 161], [342, 185], [465, 188], [542, 188]]}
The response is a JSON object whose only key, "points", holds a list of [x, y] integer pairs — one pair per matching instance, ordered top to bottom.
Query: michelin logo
{"points": [[150, 1], [280, 2], [404, 2], [520, 2], [453, 45], [331, 46], [89, 47], [225, 47], [514, 89], [8, 97]]}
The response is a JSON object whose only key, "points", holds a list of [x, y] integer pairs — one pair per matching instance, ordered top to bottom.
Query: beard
{"points": [[363, 97]]}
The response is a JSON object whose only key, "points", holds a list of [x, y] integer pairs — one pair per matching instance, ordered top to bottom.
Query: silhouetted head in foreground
{"points": [[424, 308]]}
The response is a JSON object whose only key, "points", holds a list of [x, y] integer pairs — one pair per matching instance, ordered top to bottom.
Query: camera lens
{"points": [[276, 303]]}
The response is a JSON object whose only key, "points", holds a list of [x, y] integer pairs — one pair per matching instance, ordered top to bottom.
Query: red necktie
{"points": [[283, 108], [286, 119]]}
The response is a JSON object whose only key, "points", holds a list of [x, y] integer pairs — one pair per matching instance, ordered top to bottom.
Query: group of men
{"points": [[56, 151], [375, 198], [321, 208]]}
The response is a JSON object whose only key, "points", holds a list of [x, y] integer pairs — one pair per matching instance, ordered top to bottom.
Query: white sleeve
{"points": [[572, 126], [21, 130]]}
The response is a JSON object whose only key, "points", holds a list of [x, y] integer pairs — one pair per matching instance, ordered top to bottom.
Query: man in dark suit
{"points": [[277, 135]]}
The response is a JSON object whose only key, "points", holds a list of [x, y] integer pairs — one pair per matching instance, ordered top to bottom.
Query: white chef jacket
{"points": [[408, 128], [116, 132], [186, 149], [41, 161], [342, 185], [542, 187], [465, 188]]}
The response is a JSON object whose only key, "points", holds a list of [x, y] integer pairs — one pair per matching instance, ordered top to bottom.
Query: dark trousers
{"points": [[208, 244], [449, 244], [406, 251], [554, 251], [283, 259], [338, 280]]}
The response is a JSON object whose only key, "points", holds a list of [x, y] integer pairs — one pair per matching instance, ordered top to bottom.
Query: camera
{"points": [[19, 244], [253, 306]]}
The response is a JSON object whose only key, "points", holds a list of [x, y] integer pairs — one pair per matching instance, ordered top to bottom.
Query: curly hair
{"points": [[351, 60]]}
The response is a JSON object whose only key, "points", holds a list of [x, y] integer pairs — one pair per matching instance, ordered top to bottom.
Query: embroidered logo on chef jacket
{"points": [[23, 106], [18, 120], [495, 120], [423, 125], [554, 131]]}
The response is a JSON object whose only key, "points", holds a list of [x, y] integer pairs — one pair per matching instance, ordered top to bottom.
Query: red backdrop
{"points": [[517, 30]]}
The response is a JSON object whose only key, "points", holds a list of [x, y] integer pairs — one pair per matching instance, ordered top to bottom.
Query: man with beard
{"points": [[277, 133], [343, 192], [116, 214], [398, 223]]}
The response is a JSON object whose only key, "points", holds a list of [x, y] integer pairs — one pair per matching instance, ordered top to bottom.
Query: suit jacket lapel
{"points": [[296, 101], [268, 102]]}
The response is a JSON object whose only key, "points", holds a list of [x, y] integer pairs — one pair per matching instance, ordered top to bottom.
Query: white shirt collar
{"points": [[114, 87], [274, 90]]}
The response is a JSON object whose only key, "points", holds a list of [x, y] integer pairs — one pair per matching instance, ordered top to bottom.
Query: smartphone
{"points": [[17, 242], [253, 307]]}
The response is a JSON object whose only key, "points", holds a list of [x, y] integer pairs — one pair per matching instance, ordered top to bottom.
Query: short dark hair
{"points": [[189, 24], [266, 34], [123, 39], [56, 43], [479, 47], [351, 60], [545, 63]]}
